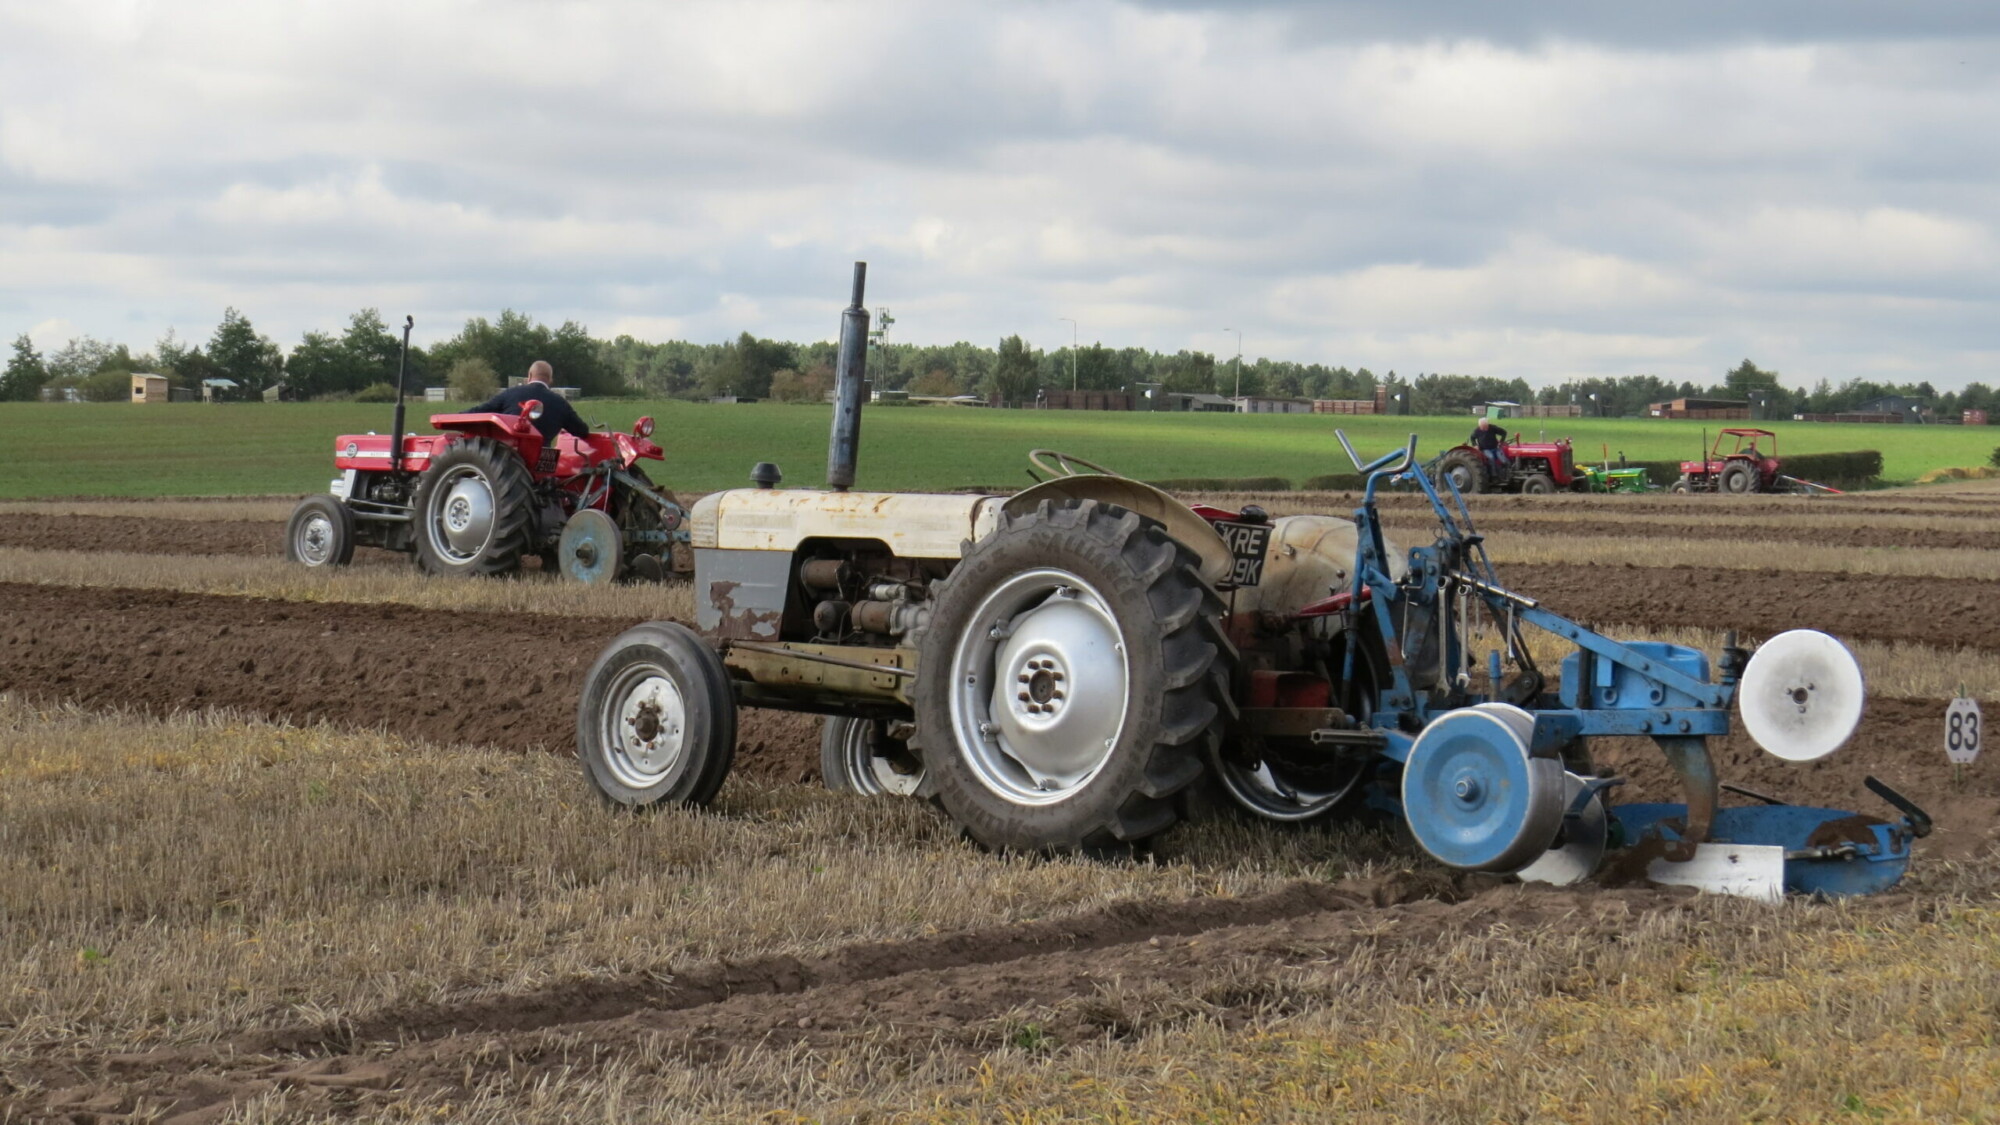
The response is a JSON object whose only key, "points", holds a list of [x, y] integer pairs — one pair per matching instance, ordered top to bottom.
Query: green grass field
{"points": [[192, 449]]}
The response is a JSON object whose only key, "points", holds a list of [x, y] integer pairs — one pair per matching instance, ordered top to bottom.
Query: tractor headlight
{"points": [[644, 426]]}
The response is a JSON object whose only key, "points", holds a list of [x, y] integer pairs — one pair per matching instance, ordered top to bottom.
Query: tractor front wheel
{"points": [[1464, 469], [1538, 484], [1681, 487], [474, 510], [320, 533], [1073, 681], [657, 722]]}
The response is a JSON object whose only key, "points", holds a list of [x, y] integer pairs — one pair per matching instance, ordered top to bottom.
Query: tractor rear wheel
{"points": [[1465, 469], [1737, 477], [1538, 484], [474, 510], [320, 533], [1074, 679], [657, 722], [849, 761]]}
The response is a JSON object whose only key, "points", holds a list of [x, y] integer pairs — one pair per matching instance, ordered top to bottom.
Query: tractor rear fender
{"points": [[1187, 528]]}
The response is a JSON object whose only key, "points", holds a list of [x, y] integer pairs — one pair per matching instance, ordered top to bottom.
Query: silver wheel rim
{"points": [[1460, 476], [461, 516], [314, 540], [1040, 687], [644, 730], [871, 774], [1276, 796]]}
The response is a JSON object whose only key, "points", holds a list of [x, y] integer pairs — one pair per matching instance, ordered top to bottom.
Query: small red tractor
{"points": [[1533, 467], [1744, 469], [486, 490]]}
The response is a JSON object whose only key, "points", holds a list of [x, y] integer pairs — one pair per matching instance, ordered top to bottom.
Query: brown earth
{"points": [[1711, 532], [143, 536], [1943, 612], [501, 680], [511, 682], [951, 993]]}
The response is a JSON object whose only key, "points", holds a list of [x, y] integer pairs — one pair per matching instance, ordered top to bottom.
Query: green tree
{"points": [[240, 354], [319, 367], [1015, 372], [25, 374], [472, 379], [939, 383], [106, 386]]}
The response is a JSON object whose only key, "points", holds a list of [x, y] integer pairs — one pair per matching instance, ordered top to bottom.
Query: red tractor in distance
{"points": [[1533, 467], [1744, 469], [487, 490]]}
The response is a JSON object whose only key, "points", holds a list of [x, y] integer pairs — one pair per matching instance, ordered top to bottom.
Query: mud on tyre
{"points": [[474, 510], [1073, 680]]}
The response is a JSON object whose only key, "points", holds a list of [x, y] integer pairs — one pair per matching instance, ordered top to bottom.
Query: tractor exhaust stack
{"points": [[402, 377], [850, 387]]}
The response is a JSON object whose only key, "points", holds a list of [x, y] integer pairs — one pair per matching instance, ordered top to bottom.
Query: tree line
{"points": [[360, 361]]}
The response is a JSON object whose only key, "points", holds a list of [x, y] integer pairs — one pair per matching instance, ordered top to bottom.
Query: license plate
{"points": [[1246, 542]]}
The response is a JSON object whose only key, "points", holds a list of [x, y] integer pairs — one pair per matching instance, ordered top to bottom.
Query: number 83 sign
{"points": [[1963, 731]]}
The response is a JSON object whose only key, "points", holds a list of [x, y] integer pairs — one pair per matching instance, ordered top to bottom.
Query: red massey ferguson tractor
{"points": [[1533, 467], [1746, 468], [487, 490]]}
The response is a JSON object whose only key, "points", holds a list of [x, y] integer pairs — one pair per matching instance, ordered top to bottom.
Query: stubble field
{"points": [[282, 846]]}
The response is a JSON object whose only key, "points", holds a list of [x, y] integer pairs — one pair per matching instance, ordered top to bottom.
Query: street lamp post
{"points": [[1072, 350], [1239, 359]]}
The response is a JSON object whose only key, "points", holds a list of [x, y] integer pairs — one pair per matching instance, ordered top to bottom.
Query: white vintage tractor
{"points": [[1079, 665]]}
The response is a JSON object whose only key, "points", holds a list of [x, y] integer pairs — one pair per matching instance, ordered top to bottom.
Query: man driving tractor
{"points": [[558, 416], [1491, 442]]}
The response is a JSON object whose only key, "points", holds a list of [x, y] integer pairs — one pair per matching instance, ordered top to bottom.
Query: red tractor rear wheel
{"points": [[1464, 469], [1738, 477], [474, 510]]}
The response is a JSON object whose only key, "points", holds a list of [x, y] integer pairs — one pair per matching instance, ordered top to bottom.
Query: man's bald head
{"points": [[540, 371]]}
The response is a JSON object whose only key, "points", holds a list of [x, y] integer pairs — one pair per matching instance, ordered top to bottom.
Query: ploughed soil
{"points": [[1723, 535], [143, 536], [266, 538], [1943, 612], [510, 681], [948, 995]]}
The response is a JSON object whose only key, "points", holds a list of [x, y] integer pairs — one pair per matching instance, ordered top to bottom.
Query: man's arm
{"points": [[495, 405], [569, 419]]}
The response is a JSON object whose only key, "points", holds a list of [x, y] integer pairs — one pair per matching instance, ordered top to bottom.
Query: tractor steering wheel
{"points": [[1065, 464]]}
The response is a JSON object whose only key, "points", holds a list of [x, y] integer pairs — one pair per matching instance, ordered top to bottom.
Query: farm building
{"points": [[149, 388], [215, 390], [1082, 400], [1254, 405], [1903, 407], [1720, 408], [1974, 418]]}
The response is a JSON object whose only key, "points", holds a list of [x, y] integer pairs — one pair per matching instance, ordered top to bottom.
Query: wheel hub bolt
{"points": [[1467, 789]]}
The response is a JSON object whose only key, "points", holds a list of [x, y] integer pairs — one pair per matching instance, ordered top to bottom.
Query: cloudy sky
{"points": [[1546, 190]]}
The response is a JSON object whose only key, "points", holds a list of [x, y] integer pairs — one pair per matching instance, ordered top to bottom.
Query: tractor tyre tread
{"points": [[1473, 464], [1737, 478], [513, 508], [699, 675], [1179, 683]]}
